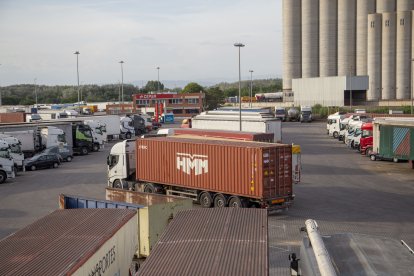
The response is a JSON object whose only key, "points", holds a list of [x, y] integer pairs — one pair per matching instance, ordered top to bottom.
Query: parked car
{"points": [[65, 153], [42, 161]]}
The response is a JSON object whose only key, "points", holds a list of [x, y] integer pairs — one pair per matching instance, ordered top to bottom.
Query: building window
{"points": [[402, 21], [387, 23], [372, 24], [175, 101], [192, 101], [142, 102], [177, 111], [191, 111]]}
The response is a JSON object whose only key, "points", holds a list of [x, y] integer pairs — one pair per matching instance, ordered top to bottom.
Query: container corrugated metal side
{"points": [[13, 117], [239, 135], [395, 142], [249, 169], [222, 241], [73, 242]]}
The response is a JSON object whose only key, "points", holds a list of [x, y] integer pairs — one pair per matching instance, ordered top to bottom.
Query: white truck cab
{"points": [[334, 125], [127, 127], [98, 133], [52, 136], [15, 150], [6, 162], [121, 164]]}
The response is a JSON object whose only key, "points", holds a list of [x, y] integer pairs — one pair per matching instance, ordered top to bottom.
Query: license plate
{"points": [[274, 201]]}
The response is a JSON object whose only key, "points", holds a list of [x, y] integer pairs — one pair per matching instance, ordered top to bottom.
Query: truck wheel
{"points": [[128, 135], [335, 135], [95, 147], [84, 151], [372, 157], [69, 159], [395, 160], [33, 168], [3, 177], [118, 184], [149, 188], [206, 200], [220, 201], [236, 202]]}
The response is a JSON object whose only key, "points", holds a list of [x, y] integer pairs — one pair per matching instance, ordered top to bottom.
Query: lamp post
{"points": [[239, 45], [77, 71], [158, 82], [122, 83], [251, 86], [412, 86], [350, 88], [35, 91], [0, 95]]}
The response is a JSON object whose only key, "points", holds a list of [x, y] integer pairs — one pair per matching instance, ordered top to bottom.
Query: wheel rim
{"points": [[372, 157], [69, 159], [55, 165], [33, 168], [117, 184], [205, 200], [235, 202]]}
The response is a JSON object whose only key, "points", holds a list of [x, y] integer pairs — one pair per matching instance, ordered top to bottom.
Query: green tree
{"points": [[153, 86], [192, 87], [214, 98]]}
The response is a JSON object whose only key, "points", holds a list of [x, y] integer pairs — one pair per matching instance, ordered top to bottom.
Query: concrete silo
{"points": [[405, 5], [385, 6], [364, 7], [346, 37], [310, 38], [328, 38], [388, 55], [403, 55], [374, 56], [292, 61]]}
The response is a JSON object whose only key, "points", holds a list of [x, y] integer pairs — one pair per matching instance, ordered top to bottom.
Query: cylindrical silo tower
{"points": [[405, 5], [385, 6], [364, 7], [346, 37], [310, 38], [328, 39], [388, 55], [374, 56], [403, 60], [292, 61]]}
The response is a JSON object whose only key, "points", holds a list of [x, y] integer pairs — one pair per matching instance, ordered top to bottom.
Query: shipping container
{"points": [[12, 117], [237, 135], [232, 172], [154, 211], [225, 241], [73, 242]]}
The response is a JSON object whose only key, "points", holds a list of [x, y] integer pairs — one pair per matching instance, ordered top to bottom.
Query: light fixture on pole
{"points": [[239, 45], [77, 71], [158, 82], [122, 83], [251, 87], [35, 91]]}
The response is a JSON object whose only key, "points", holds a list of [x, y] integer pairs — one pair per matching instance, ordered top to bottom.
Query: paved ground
{"points": [[343, 191]]}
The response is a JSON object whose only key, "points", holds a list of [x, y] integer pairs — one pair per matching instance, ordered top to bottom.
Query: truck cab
{"points": [[280, 113], [306, 114], [333, 125], [127, 127], [98, 132], [52, 136], [82, 139], [366, 141], [15, 150], [6, 162], [121, 164]]}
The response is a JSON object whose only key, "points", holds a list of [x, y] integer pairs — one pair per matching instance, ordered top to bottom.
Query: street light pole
{"points": [[239, 45], [77, 71], [122, 83], [158, 83], [251, 86], [412, 86], [350, 88], [35, 91], [0, 95]]}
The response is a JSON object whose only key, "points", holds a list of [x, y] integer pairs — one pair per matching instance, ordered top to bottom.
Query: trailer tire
{"points": [[335, 134], [128, 135], [95, 147], [372, 157], [69, 159], [395, 160], [55, 165], [3, 177], [118, 184], [149, 188], [206, 201], [220, 201], [236, 202]]}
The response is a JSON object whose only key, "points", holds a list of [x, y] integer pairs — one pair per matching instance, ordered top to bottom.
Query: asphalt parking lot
{"points": [[341, 190]]}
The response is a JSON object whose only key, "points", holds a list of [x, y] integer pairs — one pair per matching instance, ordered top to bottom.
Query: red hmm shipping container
{"points": [[238, 135], [217, 172]]}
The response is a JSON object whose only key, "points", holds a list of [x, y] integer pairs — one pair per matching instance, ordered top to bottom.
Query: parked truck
{"points": [[280, 113], [293, 114], [306, 114], [127, 127], [98, 130], [82, 139], [366, 141], [16, 152], [6, 162], [204, 170]]}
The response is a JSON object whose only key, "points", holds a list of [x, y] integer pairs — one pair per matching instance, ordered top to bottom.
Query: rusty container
{"points": [[12, 117], [237, 135], [252, 170]]}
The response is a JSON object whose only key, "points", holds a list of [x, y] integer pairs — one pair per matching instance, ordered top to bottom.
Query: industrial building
{"points": [[345, 52]]}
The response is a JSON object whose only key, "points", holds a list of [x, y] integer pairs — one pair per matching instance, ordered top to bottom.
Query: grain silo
{"points": [[405, 5], [385, 6], [364, 7], [346, 37], [310, 38], [328, 39], [388, 55], [403, 55], [374, 56], [292, 61]]}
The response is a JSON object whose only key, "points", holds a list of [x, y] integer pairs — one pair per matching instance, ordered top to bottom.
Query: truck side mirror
{"points": [[108, 160]]}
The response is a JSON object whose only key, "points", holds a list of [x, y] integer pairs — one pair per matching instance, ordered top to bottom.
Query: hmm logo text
{"points": [[187, 162]]}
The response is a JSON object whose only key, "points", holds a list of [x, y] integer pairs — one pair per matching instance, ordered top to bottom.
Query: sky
{"points": [[190, 40]]}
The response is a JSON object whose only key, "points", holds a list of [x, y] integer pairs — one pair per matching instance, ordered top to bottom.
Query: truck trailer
{"points": [[211, 171]]}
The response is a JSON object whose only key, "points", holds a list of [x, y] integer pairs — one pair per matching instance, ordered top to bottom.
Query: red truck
{"points": [[366, 141], [214, 172]]}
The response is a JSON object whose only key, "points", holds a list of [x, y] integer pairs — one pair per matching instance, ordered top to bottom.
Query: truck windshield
{"points": [[280, 112], [306, 112], [342, 126], [103, 128], [98, 131], [357, 132], [87, 133], [366, 133], [61, 138], [16, 148], [4, 153]]}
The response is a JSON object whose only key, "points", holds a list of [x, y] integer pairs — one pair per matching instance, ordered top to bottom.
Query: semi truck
{"points": [[280, 113], [305, 114], [126, 127], [98, 130], [82, 139], [366, 141], [15, 150], [6, 162], [213, 172]]}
